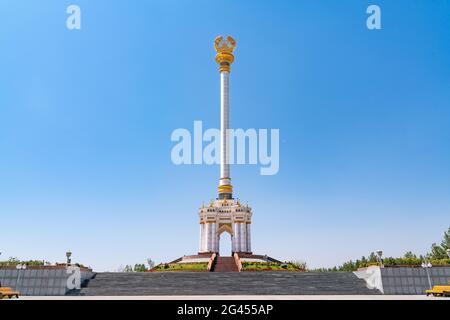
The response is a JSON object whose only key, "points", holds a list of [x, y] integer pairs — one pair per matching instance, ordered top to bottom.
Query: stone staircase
{"points": [[225, 264], [231, 283]]}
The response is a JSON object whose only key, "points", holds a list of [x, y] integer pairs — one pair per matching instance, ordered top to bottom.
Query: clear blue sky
{"points": [[86, 118]]}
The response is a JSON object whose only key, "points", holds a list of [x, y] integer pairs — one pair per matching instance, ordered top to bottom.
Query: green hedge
{"points": [[14, 262], [268, 266], [181, 267]]}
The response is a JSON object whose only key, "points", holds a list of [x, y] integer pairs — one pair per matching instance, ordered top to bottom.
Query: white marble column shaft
{"points": [[224, 126], [208, 237], [214, 237], [236, 237], [243, 237], [249, 242], [200, 245]]}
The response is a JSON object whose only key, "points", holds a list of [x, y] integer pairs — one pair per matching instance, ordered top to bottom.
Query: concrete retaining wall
{"points": [[403, 280], [412, 280], [41, 282]]}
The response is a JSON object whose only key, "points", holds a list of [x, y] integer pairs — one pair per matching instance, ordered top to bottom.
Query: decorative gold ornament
{"points": [[224, 45], [224, 49], [225, 189]]}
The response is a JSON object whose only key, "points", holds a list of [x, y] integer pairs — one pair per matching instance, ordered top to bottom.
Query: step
{"points": [[225, 264], [231, 283]]}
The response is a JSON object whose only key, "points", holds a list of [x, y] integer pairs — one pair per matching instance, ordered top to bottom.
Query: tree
{"points": [[446, 241], [440, 251], [437, 252], [410, 255], [373, 258], [363, 260], [151, 263], [299, 264], [139, 267], [128, 268]]}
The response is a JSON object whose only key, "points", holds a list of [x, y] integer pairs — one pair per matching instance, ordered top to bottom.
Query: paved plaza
{"points": [[240, 297]]}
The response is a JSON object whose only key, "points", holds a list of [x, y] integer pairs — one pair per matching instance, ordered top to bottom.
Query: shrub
{"points": [[201, 266], [268, 266]]}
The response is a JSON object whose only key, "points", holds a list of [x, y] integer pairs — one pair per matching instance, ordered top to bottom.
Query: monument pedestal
{"points": [[225, 215]]}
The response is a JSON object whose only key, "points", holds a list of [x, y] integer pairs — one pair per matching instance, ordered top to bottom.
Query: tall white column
{"points": [[224, 57], [224, 126], [213, 236], [202, 237], [236, 237], [240, 237], [243, 237], [207, 238], [217, 238], [233, 238], [233, 241], [249, 242], [217, 243], [211, 244], [200, 245]]}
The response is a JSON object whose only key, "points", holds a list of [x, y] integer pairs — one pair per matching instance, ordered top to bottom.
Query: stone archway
{"points": [[225, 231]]}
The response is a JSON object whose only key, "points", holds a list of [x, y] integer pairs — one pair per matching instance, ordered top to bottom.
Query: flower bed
{"points": [[269, 266], [180, 267]]}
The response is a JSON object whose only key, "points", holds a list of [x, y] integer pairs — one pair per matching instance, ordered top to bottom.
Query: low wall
{"points": [[403, 280], [40, 281]]}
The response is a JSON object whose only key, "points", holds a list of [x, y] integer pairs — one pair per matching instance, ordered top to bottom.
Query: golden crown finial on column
{"points": [[224, 48]]}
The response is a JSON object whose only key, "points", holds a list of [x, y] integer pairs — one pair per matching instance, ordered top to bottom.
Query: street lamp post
{"points": [[68, 255], [380, 255], [426, 265], [19, 267]]}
